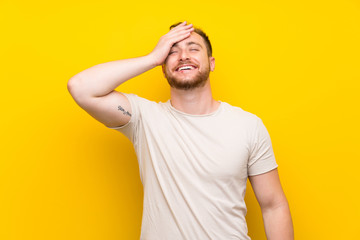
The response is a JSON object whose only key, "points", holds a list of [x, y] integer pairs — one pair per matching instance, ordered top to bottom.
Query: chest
{"points": [[212, 148]]}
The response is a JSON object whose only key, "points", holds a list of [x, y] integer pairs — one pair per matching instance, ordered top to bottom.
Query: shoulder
{"points": [[135, 98], [138, 101], [142, 106], [239, 114]]}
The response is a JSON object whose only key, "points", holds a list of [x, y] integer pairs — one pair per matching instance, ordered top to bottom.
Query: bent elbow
{"points": [[73, 85], [76, 89]]}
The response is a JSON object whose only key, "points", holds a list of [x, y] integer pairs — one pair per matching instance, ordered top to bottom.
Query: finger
{"points": [[180, 26], [180, 31], [179, 37]]}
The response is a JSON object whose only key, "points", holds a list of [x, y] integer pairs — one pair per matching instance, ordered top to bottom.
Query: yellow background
{"points": [[295, 64]]}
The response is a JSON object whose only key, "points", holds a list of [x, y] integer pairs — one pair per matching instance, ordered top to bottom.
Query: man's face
{"points": [[188, 65]]}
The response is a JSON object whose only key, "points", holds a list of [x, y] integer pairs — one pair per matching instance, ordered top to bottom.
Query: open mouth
{"points": [[185, 68]]}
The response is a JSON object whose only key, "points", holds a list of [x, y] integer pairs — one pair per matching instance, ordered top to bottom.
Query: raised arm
{"points": [[93, 88], [274, 206]]}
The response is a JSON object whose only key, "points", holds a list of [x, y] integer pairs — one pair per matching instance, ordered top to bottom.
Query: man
{"points": [[195, 153]]}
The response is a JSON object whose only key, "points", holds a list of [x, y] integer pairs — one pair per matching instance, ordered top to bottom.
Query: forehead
{"points": [[194, 38]]}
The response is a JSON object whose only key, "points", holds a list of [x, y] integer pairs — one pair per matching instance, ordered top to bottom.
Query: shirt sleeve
{"points": [[130, 129], [262, 158]]}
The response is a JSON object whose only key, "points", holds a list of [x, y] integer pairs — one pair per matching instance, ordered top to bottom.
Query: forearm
{"points": [[103, 78], [278, 223]]}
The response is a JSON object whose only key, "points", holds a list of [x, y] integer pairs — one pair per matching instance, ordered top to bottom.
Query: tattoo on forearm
{"points": [[123, 111]]}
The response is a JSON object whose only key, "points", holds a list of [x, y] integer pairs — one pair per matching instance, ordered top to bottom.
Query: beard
{"points": [[196, 81]]}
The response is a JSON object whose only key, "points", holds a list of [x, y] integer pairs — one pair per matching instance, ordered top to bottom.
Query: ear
{"points": [[212, 63]]}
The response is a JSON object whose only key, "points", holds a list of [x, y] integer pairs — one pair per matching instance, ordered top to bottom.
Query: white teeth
{"points": [[186, 68]]}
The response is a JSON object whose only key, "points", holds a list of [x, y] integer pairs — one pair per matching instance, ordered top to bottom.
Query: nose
{"points": [[184, 56]]}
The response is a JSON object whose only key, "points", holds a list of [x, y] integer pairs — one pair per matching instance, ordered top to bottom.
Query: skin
{"points": [[189, 51], [94, 90], [197, 100], [274, 205]]}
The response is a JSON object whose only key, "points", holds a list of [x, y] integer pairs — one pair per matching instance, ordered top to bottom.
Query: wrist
{"points": [[153, 60]]}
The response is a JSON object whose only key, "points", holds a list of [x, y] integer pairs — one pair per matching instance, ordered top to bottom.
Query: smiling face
{"points": [[188, 65]]}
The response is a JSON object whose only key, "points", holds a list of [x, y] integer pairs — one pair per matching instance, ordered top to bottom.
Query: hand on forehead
{"points": [[193, 38]]}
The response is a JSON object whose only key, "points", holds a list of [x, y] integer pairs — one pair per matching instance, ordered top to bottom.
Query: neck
{"points": [[196, 101]]}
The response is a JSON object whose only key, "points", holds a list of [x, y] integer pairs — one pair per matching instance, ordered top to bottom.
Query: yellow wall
{"points": [[295, 64]]}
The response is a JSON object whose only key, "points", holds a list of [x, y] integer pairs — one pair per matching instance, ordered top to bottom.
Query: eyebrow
{"points": [[188, 44]]}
